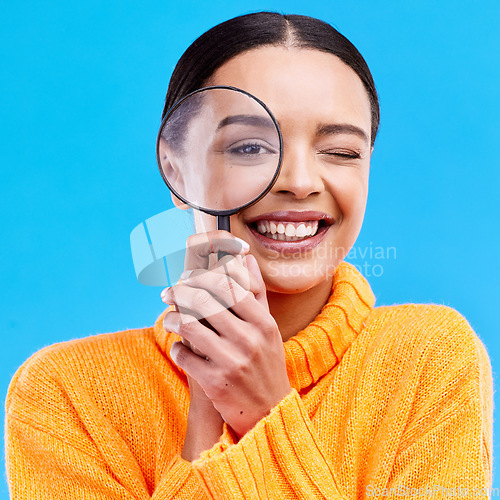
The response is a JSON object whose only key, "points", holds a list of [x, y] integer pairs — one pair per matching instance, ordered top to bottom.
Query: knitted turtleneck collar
{"points": [[316, 349]]}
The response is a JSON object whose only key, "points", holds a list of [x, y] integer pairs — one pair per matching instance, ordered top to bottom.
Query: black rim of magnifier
{"points": [[219, 213]]}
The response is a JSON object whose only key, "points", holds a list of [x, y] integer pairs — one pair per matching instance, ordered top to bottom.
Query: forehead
{"points": [[302, 87]]}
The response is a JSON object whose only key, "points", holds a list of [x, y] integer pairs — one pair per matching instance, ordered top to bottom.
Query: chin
{"points": [[296, 277]]}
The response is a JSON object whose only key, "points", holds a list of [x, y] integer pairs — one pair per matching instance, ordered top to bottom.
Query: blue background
{"points": [[82, 88]]}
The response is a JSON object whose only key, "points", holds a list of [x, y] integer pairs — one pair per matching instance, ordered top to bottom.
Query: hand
{"points": [[242, 369], [204, 423]]}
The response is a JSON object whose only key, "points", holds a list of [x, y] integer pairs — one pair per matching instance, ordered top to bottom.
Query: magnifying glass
{"points": [[219, 150]]}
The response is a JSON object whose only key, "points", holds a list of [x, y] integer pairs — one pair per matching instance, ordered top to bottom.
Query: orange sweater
{"points": [[386, 401]]}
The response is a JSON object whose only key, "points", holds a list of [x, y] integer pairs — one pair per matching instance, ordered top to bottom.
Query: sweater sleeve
{"points": [[52, 453], [280, 457], [42, 466]]}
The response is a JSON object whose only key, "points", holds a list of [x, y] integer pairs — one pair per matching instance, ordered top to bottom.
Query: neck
{"points": [[294, 311]]}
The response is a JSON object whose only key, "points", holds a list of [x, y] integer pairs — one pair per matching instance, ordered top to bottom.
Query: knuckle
{"points": [[192, 240], [225, 261], [235, 267], [246, 281], [225, 283], [175, 291], [201, 296], [248, 296], [267, 325], [187, 328], [268, 330], [248, 344], [251, 345], [182, 356], [235, 367], [216, 386]]}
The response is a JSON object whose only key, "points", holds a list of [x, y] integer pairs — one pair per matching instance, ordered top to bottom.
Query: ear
{"points": [[166, 157], [171, 172]]}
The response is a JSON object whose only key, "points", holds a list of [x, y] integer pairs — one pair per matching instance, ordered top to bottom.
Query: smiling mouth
{"points": [[290, 226], [288, 231]]}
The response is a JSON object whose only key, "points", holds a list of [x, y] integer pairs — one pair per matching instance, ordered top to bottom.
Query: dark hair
{"points": [[230, 38]]}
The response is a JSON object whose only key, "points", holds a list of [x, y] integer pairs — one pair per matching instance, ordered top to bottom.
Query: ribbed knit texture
{"points": [[396, 397]]}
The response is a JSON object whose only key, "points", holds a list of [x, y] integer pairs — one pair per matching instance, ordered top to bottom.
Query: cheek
{"points": [[350, 191]]}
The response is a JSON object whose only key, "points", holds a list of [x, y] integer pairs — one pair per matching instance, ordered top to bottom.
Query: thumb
{"points": [[253, 267]]}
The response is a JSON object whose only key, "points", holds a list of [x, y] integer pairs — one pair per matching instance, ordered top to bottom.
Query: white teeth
{"points": [[291, 231], [301, 231]]}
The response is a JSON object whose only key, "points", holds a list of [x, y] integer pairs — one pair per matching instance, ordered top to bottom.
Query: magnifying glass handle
{"points": [[223, 223]]}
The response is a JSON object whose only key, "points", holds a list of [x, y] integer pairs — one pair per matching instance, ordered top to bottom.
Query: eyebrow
{"points": [[251, 120], [342, 128]]}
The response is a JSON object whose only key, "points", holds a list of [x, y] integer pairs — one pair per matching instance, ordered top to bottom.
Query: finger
{"points": [[200, 246], [234, 267], [221, 286], [260, 290], [197, 302], [201, 303], [200, 339], [192, 347], [192, 364]]}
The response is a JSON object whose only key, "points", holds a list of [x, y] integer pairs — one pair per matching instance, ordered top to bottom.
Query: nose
{"points": [[300, 176]]}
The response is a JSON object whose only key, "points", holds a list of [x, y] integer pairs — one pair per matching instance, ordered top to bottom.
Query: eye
{"points": [[250, 149], [341, 154]]}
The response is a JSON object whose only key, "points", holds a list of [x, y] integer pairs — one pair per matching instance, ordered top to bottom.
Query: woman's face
{"points": [[320, 196]]}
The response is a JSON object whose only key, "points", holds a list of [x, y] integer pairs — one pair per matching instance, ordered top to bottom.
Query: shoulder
{"points": [[425, 325], [434, 343], [428, 355], [51, 358], [99, 362], [114, 391]]}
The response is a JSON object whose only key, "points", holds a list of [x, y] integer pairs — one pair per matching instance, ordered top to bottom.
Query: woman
{"points": [[303, 389]]}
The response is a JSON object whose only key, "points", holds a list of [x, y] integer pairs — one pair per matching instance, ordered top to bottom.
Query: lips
{"points": [[290, 231]]}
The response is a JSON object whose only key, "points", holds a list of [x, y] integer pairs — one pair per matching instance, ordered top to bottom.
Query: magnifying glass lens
{"points": [[219, 150]]}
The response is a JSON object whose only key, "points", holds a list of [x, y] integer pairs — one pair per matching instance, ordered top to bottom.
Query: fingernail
{"points": [[244, 244], [185, 275], [164, 292], [168, 324], [173, 353]]}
